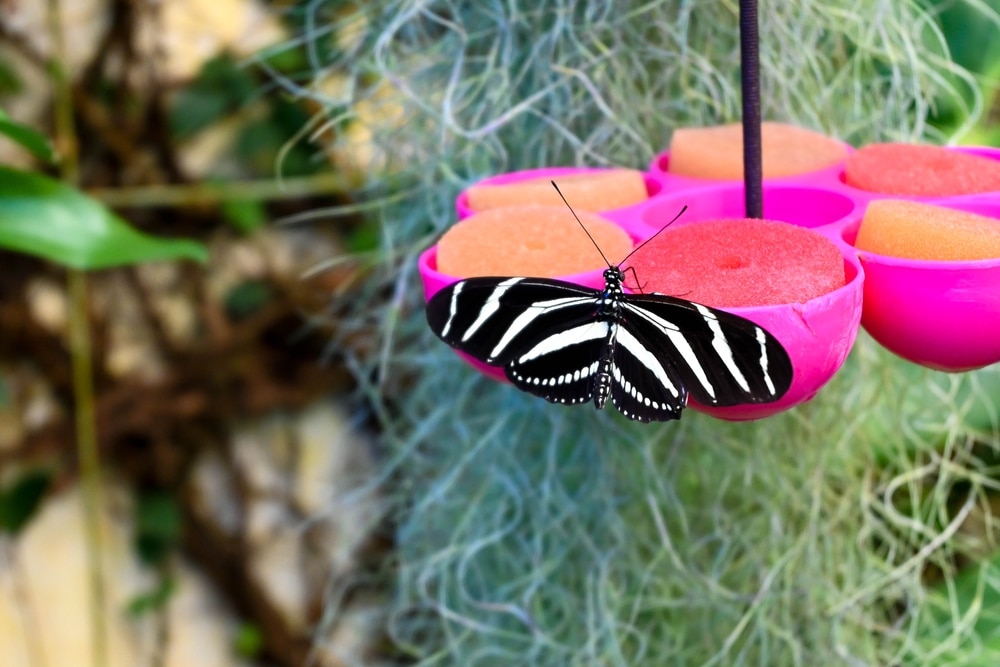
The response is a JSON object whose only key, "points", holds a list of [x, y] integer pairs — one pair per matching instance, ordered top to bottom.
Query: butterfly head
{"points": [[613, 279]]}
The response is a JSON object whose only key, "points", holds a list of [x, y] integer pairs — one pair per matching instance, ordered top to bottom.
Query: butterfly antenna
{"points": [[634, 250], [610, 265]]}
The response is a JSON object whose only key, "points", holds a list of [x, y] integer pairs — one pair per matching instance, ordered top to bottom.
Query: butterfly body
{"points": [[646, 353]]}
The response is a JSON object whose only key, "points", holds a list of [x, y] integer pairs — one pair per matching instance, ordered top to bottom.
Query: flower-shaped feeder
{"points": [[817, 334]]}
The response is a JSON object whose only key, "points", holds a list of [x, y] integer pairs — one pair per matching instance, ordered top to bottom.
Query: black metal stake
{"points": [[750, 80]]}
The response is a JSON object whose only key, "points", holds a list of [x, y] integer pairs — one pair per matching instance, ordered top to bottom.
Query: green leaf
{"points": [[222, 87], [28, 138], [246, 215], [49, 219], [247, 298], [20, 502], [157, 527], [152, 600], [249, 641]]}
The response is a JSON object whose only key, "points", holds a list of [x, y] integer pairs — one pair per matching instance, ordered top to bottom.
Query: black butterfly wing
{"points": [[495, 319], [721, 358], [561, 365], [645, 385]]}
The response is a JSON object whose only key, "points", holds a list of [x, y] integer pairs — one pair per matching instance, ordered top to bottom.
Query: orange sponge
{"points": [[717, 152], [930, 171], [588, 191], [921, 231], [541, 241], [740, 262]]}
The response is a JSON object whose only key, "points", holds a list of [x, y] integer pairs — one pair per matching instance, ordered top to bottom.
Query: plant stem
{"points": [[213, 193], [80, 352], [90, 466]]}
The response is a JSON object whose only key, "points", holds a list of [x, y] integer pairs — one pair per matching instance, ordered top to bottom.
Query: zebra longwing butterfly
{"points": [[646, 352]]}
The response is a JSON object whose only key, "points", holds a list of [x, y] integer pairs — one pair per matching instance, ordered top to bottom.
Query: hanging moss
{"points": [[531, 534]]}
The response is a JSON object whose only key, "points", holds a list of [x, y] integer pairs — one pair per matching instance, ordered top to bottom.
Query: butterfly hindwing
{"points": [[493, 319], [722, 359], [560, 366], [645, 386]]}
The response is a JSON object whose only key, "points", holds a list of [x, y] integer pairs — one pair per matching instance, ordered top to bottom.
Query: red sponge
{"points": [[929, 171], [739, 262]]}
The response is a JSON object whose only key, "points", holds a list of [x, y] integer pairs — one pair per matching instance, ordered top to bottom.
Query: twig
{"points": [[212, 193], [80, 350]]}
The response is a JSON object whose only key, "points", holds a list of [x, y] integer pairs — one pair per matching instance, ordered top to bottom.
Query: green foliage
{"points": [[972, 33], [10, 80], [221, 88], [225, 89], [28, 138], [245, 215], [46, 218], [247, 298], [21, 499], [157, 527], [153, 600], [964, 610], [248, 642]]}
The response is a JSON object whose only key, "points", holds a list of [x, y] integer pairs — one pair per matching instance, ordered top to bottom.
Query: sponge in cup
{"points": [[717, 152], [928, 171], [602, 190], [915, 230], [540, 241], [737, 262]]}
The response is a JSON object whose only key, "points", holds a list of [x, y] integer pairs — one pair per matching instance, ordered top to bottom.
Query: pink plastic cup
{"points": [[619, 215], [940, 314], [817, 334]]}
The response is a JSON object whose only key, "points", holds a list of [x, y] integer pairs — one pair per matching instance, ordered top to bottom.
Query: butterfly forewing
{"points": [[493, 319], [721, 358]]}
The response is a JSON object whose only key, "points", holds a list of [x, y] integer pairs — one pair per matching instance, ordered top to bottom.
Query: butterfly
{"points": [[647, 353]]}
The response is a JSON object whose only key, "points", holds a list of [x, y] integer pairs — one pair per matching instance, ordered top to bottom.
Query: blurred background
{"points": [[227, 439]]}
